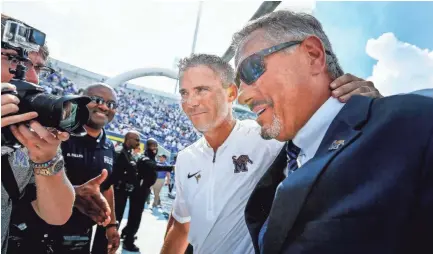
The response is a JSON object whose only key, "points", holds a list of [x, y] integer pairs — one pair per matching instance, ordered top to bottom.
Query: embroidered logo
{"points": [[336, 145], [74, 155], [108, 160], [241, 163], [196, 175]]}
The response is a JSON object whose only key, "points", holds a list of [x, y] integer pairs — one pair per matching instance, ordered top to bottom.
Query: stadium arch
{"points": [[141, 72], [133, 74]]}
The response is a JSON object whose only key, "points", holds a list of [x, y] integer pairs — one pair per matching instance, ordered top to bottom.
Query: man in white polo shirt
{"points": [[216, 175]]}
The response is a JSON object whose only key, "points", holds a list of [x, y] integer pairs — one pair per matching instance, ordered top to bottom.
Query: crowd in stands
{"points": [[58, 84], [153, 116]]}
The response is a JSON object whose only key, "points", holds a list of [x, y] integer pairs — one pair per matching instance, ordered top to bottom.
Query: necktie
{"points": [[292, 156], [292, 164]]}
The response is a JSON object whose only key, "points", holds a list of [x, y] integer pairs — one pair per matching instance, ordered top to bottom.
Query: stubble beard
{"points": [[222, 111], [272, 131]]}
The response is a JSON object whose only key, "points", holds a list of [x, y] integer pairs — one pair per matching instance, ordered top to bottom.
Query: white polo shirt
{"points": [[212, 189]]}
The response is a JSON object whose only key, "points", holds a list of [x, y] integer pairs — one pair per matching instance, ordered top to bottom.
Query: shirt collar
{"points": [[311, 134], [100, 140], [227, 141]]}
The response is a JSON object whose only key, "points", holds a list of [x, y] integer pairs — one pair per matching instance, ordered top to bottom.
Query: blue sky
{"points": [[350, 25]]}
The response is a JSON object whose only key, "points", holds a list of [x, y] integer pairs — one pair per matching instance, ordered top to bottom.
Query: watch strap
{"points": [[50, 167], [116, 225]]}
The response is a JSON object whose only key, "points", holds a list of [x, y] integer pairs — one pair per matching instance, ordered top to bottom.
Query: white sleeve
{"points": [[180, 208]]}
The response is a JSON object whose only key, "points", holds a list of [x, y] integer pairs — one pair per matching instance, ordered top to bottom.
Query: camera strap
{"points": [[8, 180]]}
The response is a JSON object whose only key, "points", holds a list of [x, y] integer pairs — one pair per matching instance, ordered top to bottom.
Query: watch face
{"points": [[58, 166]]}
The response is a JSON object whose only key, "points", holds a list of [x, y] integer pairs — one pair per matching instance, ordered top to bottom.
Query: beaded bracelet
{"points": [[47, 164]]}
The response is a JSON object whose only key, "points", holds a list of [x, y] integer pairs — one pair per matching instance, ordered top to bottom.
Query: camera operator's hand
{"points": [[10, 106], [42, 144], [90, 201]]}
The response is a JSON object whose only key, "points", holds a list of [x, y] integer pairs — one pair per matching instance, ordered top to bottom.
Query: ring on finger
{"points": [[53, 131]]}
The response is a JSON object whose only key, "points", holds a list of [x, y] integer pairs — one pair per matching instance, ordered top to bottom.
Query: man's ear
{"points": [[313, 46], [232, 92]]}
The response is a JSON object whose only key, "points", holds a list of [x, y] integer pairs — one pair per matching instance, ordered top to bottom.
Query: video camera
{"points": [[65, 113]]}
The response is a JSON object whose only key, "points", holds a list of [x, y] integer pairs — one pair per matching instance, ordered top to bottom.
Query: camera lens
{"points": [[66, 113]]}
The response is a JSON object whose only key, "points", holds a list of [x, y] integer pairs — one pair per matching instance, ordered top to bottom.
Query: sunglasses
{"points": [[253, 67], [41, 70], [98, 100]]}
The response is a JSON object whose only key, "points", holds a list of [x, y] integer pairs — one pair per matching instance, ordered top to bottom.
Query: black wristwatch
{"points": [[113, 225]]}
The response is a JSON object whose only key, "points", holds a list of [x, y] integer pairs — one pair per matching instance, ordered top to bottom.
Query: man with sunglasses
{"points": [[89, 157], [216, 175], [359, 178]]}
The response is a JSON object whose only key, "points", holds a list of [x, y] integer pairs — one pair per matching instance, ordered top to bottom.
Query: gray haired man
{"points": [[344, 190]]}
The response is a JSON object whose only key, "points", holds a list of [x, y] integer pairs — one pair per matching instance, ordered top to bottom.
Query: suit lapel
{"points": [[292, 193], [260, 201]]}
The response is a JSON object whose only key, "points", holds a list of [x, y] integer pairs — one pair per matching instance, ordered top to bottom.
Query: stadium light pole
{"points": [[197, 24], [194, 40]]}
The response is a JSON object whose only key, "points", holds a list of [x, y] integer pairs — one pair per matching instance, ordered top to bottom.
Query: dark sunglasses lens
{"points": [[251, 69], [97, 100], [111, 105]]}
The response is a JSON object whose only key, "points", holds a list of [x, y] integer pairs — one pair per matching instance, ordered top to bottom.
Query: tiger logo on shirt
{"points": [[241, 163]]}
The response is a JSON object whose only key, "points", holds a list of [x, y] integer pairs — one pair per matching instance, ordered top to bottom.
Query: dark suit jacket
{"points": [[372, 195]]}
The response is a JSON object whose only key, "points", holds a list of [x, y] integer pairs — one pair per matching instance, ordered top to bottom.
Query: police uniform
{"points": [[85, 158], [147, 175], [124, 179]]}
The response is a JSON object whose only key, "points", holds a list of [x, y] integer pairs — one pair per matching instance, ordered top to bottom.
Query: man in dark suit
{"points": [[359, 175]]}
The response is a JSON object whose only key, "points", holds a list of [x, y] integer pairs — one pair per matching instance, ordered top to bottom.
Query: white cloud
{"points": [[401, 67]]}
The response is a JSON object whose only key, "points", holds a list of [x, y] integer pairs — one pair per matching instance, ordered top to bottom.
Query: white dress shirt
{"points": [[310, 136]]}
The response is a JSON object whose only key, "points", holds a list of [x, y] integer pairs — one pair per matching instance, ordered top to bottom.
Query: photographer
{"points": [[39, 161], [147, 171], [88, 198]]}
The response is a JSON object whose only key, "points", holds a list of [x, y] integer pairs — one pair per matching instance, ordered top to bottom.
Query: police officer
{"points": [[86, 157], [147, 171], [125, 174], [124, 179]]}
